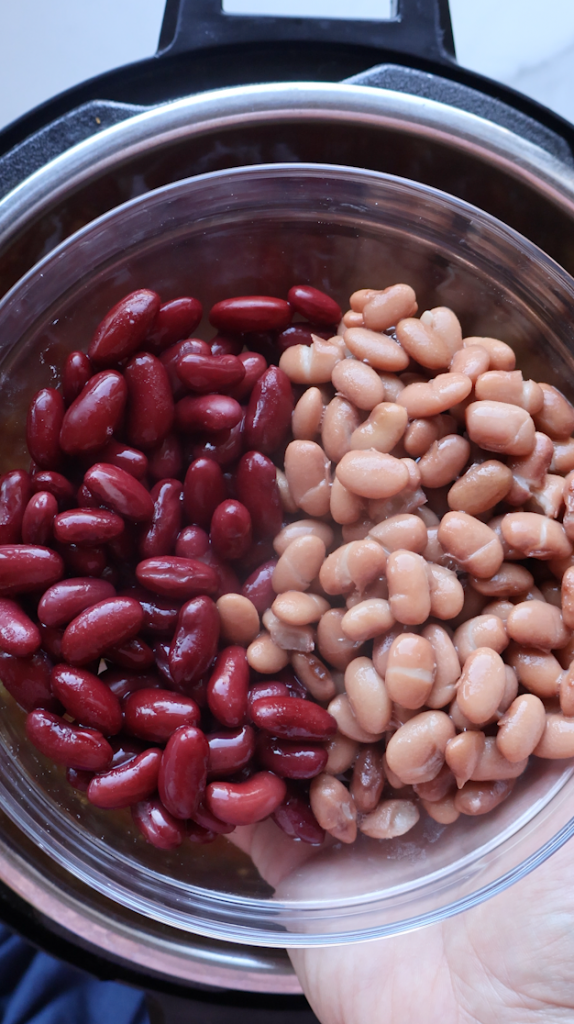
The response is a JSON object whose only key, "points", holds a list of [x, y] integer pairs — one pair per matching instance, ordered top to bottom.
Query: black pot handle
{"points": [[420, 28]]}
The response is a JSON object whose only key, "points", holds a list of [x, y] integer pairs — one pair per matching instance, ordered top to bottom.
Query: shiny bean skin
{"points": [[318, 307], [383, 309], [250, 313], [176, 319], [124, 327], [423, 344], [376, 350], [501, 356], [170, 359], [472, 361], [314, 363], [76, 373], [207, 373], [358, 383], [509, 386], [422, 399], [269, 412], [150, 413], [307, 415], [93, 416], [556, 417], [340, 420], [43, 425], [500, 427], [382, 430], [562, 456], [130, 459], [444, 460], [308, 474], [372, 474], [481, 487], [257, 489], [203, 490], [15, 491], [63, 491], [121, 491], [38, 518], [87, 527], [302, 528], [230, 531], [401, 531], [535, 536], [159, 538], [472, 543], [299, 564], [25, 568], [175, 577], [510, 581], [258, 588], [409, 591], [446, 592], [567, 598], [63, 601], [299, 609], [239, 619], [367, 619], [537, 624], [94, 630], [480, 631], [18, 634], [332, 642], [194, 644], [133, 654], [447, 666], [410, 671], [537, 671], [317, 678], [27, 680], [122, 682], [482, 685], [227, 687], [367, 695], [87, 699], [154, 715], [292, 718], [347, 723], [521, 728], [74, 747], [230, 751], [416, 751], [342, 752], [463, 753], [291, 760], [493, 765], [183, 771], [368, 779], [128, 783], [481, 797], [244, 803], [333, 808], [443, 811], [295, 817], [390, 819], [157, 825]]}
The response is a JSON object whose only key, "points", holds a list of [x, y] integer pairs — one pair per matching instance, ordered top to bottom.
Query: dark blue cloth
{"points": [[36, 989]]}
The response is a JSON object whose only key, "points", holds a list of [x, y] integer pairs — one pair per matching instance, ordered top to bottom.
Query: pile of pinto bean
{"points": [[330, 591]]}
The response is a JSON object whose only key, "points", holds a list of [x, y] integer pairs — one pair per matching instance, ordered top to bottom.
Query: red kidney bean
{"points": [[318, 307], [250, 313], [175, 320], [124, 328], [300, 334], [226, 345], [170, 359], [255, 365], [209, 373], [75, 375], [151, 410], [208, 412], [94, 415], [268, 417], [43, 425], [224, 447], [131, 459], [166, 461], [54, 483], [257, 489], [15, 490], [203, 490], [121, 491], [85, 498], [38, 519], [87, 526], [231, 530], [160, 536], [192, 542], [260, 551], [84, 561], [27, 567], [175, 577], [227, 581], [258, 587], [66, 599], [160, 614], [105, 624], [18, 634], [52, 641], [194, 645], [161, 651], [133, 654], [28, 681], [122, 682], [227, 687], [273, 688], [87, 699], [155, 714], [293, 718], [70, 745], [125, 748], [230, 751], [291, 760], [183, 771], [78, 779], [128, 783], [243, 803], [295, 817], [205, 819], [157, 825], [197, 834]]}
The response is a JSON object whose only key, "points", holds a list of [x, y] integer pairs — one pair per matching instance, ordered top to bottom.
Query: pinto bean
{"points": [[384, 309], [427, 346], [376, 350], [501, 356], [472, 361], [314, 363], [358, 383], [509, 386], [435, 396], [307, 415], [556, 417], [340, 420], [500, 427], [382, 430], [444, 460], [529, 471], [308, 474], [372, 474], [481, 487], [345, 506], [303, 528], [401, 531], [535, 536], [474, 545], [299, 564], [357, 564], [510, 581], [409, 590], [567, 598], [367, 619], [537, 624], [480, 631], [289, 638], [333, 643], [265, 656], [447, 666], [410, 670], [538, 671], [315, 675], [482, 684], [367, 695], [347, 723], [521, 728], [557, 739], [416, 751], [462, 755], [493, 765], [368, 779], [481, 797], [333, 807], [390, 819]]}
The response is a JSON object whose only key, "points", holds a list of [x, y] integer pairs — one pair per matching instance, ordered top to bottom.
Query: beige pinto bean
{"points": [[360, 298], [382, 310], [350, 319], [445, 325], [424, 344], [376, 350], [501, 356], [472, 361], [312, 364], [358, 383], [392, 385], [509, 386], [429, 398], [307, 415], [556, 418], [340, 420], [500, 427], [383, 429], [421, 433], [562, 456], [444, 460], [529, 471], [308, 473], [372, 474], [481, 487], [285, 496], [568, 497], [548, 499], [345, 506], [303, 528], [403, 531], [535, 536], [472, 543], [299, 564], [353, 565], [511, 580], [378, 589], [409, 590], [446, 592], [551, 593], [567, 598], [500, 608], [299, 609], [238, 619], [367, 619], [537, 624], [480, 631], [287, 637], [333, 643], [382, 646], [566, 654], [263, 655], [447, 666], [410, 671], [538, 672], [315, 675], [482, 685], [567, 692], [367, 695], [341, 710], [520, 729], [557, 739], [415, 752], [341, 753], [462, 754], [493, 765], [368, 778], [438, 787], [481, 797], [333, 807], [443, 811], [390, 819]]}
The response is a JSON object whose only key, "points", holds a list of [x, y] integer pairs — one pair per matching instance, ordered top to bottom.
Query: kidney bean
{"points": [[318, 307], [250, 313], [175, 319], [124, 327], [299, 334], [226, 345], [171, 356], [254, 365], [205, 373], [75, 375], [151, 410], [208, 412], [93, 416], [268, 416], [43, 425], [224, 446], [131, 460], [166, 460], [55, 484], [15, 489], [257, 489], [203, 490], [121, 491], [38, 518], [87, 526], [231, 530], [160, 536], [192, 542], [26, 567], [175, 577], [258, 587], [93, 631], [18, 634], [194, 644], [133, 654], [410, 671], [28, 680], [122, 682], [227, 687], [273, 688], [87, 699], [154, 715], [292, 718], [74, 747], [230, 751], [291, 760], [183, 771], [78, 779], [128, 783], [244, 803], [333, 808], [295, 817], [206, 820], [157, 825]]}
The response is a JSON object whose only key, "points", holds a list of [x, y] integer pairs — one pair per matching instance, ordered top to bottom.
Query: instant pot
{"points": [[229, 91]]}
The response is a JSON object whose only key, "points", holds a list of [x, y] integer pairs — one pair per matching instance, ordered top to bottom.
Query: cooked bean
{"points": [[384, 309], [425, 345], [377, 350], [500, 354], [472, 361], [312, 364], [358, 383], [509, 386], [435, 396], [307, 415], [93, 416], [556, 417], [340, 420], [500, 427], [382, 430], [421, 433], [562, 456], [444, 460], [529, 471], [308, 473], [372, 474], [256, 483], [481, 487], [285, 496], [549, 499], [345, 507], [38, 519], [303, 528], [401, 531], [535, 536], [474, 545], [299, 564], [353, 565], [510, 581], [258, 588], [409, 591], [446, 592], [567, 596], [299, 609], [239, 619], [367, 619], [537, 624], [480, 631], [18, 634], [289, 638], [333, 643], [194, 644], [265, 656], [447, 666], [410, 670], [311, 671], [539, 672], [482, 684], [567, 692], [367, 695], [292, 718], [347, 723], [521, 728], [557, 739], [74, 747], [415, 752], [463, 753], [493, 765], [368, 778], [437, 788], [482, 797], [244, 803], [333, 808], [443, 811], [390, 819]]}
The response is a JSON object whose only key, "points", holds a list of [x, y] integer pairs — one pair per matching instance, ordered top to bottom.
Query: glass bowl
{"points": [[259, 230]]}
